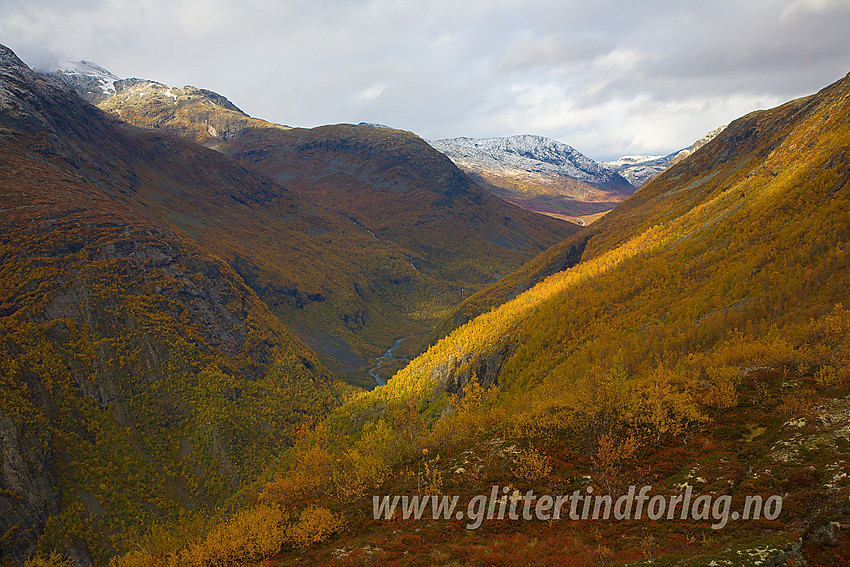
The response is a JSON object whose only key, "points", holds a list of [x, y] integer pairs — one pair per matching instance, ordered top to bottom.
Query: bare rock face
{"points": [[28, 494]]}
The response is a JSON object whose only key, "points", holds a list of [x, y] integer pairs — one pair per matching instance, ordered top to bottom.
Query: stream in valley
{"points": [[387, 357]]}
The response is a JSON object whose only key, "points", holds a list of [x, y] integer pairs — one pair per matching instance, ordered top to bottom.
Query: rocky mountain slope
{"points": [[539, 174], [447, 238], [139, 374]]}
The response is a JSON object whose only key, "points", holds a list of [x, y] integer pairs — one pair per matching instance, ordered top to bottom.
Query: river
{"points": [[374, 372]]}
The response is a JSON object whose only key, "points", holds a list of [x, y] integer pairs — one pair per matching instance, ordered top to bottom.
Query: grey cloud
{"points": [[608, 77]]}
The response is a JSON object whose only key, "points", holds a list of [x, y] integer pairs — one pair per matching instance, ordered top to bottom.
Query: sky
{"points": [[610, 78]]}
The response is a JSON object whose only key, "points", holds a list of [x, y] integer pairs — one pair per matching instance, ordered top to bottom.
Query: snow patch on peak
{"points": [[84, 67], [93, 71], [90, 80], [376, 125], [527, 152], [631, 160]]}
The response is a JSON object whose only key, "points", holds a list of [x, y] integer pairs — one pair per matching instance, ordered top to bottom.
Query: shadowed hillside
{"points": [[435, 236], [139, 375]]}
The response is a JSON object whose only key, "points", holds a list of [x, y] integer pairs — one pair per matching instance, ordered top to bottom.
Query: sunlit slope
{"points": [[741, 151], [750, 232]]}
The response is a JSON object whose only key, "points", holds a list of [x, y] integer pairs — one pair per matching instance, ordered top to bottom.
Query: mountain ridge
{"points": [[542, 155], [539, 174], [572, 183], [140, 374]]}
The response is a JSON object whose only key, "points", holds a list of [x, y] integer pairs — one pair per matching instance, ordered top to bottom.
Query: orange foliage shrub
{"points": [[530, 465], [314, 525]]}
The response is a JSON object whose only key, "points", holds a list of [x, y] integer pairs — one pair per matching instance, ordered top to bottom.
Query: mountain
{"points": [[200, 115], [640, 169], [539, 174], [389, 181], [441, 237], [154, 292], [696, 336], [139, 374]]}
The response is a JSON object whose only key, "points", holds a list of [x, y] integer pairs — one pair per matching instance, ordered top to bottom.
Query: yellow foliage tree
{"points": [[612, 454], [530, 465], [314, 525], [251, 534]]}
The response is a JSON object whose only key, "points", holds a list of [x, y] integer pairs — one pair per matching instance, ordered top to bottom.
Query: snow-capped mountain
{"points": [[91, 81], [95, 84], [203, 116], [527, 153], [640, 169], [540, 174]]}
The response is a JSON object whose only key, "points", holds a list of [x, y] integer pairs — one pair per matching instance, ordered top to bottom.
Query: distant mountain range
{"points": [[640, 169], [537, 173], [540, 174], [553, 178]]}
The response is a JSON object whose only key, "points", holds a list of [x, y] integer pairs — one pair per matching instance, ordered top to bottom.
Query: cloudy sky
{"points": [[608, 77]]}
